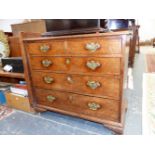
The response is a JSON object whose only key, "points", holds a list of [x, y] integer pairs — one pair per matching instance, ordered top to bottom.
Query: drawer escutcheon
{"points": [[68, 61], [70, 80], [71, 99], [94, 106]]}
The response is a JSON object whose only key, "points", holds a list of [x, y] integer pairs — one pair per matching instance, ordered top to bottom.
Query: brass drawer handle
{"points": [[92, 47], [44, 48], [68, 61], [46, 63], [93, 64], [48, 79], [93, 84], [51, 98], [94, 106]]}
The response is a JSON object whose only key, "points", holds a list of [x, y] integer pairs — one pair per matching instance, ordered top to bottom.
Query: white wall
{"points": [[5, 24], [147, 29]]}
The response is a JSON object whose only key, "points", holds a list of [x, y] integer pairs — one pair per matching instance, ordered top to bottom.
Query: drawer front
{"points": [[81, 46], [94, 46], [46, 48], [77, 64], [92, 85], [90, 106]]}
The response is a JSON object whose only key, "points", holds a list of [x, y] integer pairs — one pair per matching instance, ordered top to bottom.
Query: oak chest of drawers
{"points": [[79, 75]]}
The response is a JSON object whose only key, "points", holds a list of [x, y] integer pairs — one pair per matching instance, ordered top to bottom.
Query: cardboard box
{"points": [[37, 26], [18, 102]]}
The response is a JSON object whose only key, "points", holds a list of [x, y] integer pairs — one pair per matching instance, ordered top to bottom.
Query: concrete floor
{"points": [[51, 123]]}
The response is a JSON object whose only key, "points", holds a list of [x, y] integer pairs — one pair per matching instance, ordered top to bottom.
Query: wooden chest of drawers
{"points": [[79, 75]]}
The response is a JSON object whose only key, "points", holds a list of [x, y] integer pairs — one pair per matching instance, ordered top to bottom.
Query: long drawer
{"points": [[78, 46], [77, 64], [101, 86], [90, 106]]}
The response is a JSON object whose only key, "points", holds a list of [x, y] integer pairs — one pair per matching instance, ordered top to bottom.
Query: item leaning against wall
{"points": [[4, 46]]}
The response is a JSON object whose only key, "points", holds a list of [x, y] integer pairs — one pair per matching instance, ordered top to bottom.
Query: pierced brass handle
{"points": [[92, 47], [44, 48], [68, 61], [46, 62], [93, 64], [48, 79], [69, 79], [93, 84], [51, 98], [94, 106]]}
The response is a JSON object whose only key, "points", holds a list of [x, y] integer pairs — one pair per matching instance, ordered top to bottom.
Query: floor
{"points": [[150, 58], [148, 104], [50, 123]]}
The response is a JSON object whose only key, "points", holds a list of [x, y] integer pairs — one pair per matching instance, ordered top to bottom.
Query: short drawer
{"points": [[94, 46], [53, 47], [83, 65], [100, 86], [80, 104]]}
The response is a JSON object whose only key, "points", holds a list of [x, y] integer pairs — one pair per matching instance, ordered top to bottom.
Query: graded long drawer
{"points": [[76, 46], [84, 65], [92, 85], [80, 104]]}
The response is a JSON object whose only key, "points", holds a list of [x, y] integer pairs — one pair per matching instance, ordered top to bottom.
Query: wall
{"points": [[5, 23], [147, 29]]}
